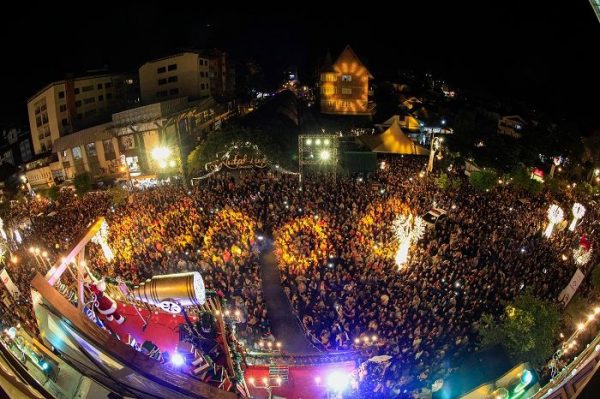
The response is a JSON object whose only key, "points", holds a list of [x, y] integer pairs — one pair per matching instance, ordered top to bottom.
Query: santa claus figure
{"points": [[104, 304]]}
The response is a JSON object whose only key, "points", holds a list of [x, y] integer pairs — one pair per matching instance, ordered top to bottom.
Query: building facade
{"points": [[221, 74], [181, 75], [344, 86], [66, 106], [511, 125], [125, 146], [15, 147]]}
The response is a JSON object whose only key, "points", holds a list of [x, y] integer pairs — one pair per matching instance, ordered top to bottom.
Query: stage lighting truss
{"points": [[318, 150]]}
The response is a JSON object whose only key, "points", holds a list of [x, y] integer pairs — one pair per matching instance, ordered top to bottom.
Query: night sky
{"points": [[541, 52]]}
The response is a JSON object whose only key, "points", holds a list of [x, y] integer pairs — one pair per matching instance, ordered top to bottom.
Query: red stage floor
{"points": [[304, 382]]}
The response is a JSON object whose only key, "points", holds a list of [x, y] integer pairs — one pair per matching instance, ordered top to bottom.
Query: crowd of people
{"points": [[335, 249]]}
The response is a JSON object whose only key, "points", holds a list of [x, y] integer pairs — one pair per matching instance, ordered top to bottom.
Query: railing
{"points": [[263, 358], [573, 378]]}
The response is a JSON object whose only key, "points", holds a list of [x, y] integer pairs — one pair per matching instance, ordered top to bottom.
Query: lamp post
{"points": [[266, 385]]}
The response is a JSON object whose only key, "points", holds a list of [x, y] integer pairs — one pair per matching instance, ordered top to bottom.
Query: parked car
{"points": [[435, 214]]}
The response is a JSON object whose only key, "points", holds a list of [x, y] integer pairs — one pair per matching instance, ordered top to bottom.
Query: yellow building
{"points": [[180, 75], [345, 86], [68, 105]]}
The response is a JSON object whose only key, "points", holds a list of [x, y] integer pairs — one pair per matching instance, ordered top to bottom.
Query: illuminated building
{"points": [[178, 75], [345, 86], [511, 125]]}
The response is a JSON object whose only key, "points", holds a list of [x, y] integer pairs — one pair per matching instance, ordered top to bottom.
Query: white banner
{"points": [[8, 283], [567, 294]]}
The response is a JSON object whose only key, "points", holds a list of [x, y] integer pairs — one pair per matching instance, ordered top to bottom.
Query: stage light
{"points": [[308, 141], [326, 141], [161, 153], [325, 155], [172, 163], [162, 164], [177, 359], [44, 366], [251, 380], [265, 380], [317, 380], [338, 381]]}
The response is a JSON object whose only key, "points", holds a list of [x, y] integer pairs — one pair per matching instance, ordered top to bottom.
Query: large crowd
{"points": [[335, 248]]}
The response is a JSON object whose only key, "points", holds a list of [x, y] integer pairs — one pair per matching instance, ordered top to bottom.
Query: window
{"points": [[172, 67], [161, 70], [201, 74], [329, 77], [346, 78], [172, 79], [162, 81], [107, 85], [201, 86], [99, 87], [87, 88], [76, 90], [328, 90], [346, 90], [174, 92], [162, 93], [61, 94], [108, 96], [101, 97], [89, 100], [78, 103], [345, 104], [63, 107], [90, 112], [79, 117], [38, 121], [65, 122], [47, 133], [41, 136], [43, 147], [91, 149], [109, 149], [76, 152], [64, 154]]}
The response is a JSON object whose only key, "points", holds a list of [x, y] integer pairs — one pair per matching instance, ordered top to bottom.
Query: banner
{"points": [[8, 283], [567, 294]]}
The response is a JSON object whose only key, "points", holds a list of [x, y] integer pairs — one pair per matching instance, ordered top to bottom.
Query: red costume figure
{"points": [[104, 304]]}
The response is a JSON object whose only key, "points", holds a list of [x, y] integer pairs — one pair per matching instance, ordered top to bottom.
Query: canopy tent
{"points": [[393, 141]]}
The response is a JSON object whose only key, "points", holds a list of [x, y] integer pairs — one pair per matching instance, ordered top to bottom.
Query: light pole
{"points": [[266, 385]]}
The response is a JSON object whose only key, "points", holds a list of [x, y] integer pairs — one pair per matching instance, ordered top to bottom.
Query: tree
{"points": [[483, 180], [445, 182], [82, 183], [53, 192], [119, 195], [526, 330]]}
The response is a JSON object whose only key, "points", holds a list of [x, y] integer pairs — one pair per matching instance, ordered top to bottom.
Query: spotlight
{"points": [[308, 141], [318, 141], [326, 142], [160, 153], [325, 155], [172, 163], [177, 359], [44, 366], [338, 381]]}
